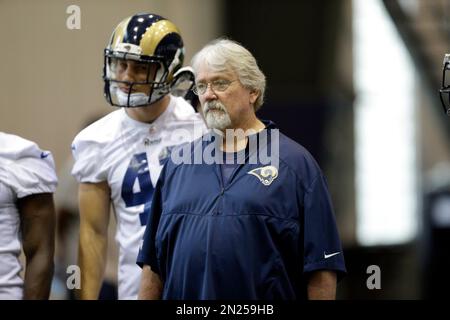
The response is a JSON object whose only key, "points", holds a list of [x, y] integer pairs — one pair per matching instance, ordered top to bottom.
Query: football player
{"points": [[444, 92], [118, 159], [27, 218]]}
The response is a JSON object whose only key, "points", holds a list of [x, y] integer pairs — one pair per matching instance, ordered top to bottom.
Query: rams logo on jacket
{"points": [[265, 174]]}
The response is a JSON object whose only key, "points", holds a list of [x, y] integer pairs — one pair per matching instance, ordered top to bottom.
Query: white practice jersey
{"points": [[129, 155], [24, 170]]}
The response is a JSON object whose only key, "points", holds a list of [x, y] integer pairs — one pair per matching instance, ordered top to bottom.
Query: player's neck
{"points": [[150, 113]]}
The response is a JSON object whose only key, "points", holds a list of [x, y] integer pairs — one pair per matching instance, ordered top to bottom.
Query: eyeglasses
{"points": [[216, 85]]}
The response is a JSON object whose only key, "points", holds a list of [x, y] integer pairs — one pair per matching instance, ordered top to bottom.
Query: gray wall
{"points": [[51, 76]]}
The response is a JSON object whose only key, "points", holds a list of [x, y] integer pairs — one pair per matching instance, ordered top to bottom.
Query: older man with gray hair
{"points": [[244, 229]]}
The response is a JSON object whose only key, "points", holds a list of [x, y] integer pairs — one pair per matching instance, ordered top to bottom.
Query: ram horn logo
{"points": [[265, 174]]}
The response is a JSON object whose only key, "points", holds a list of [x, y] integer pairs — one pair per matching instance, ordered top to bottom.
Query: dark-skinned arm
{"points": [[37, 216]]}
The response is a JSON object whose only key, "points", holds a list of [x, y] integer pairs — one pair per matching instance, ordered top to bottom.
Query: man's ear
{"points": [[254, 94]]}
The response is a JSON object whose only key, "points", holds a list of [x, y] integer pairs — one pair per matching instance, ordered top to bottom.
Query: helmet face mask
{"points": [[140, 61], [148, 76], [444, 92]]}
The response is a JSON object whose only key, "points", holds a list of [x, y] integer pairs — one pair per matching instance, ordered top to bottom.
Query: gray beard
{"points": [[218, 118]]}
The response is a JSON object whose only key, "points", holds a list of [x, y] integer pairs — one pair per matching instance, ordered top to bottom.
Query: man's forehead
{"points": [[206, 72]]}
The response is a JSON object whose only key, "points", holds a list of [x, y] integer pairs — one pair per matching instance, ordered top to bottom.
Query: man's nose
{"points": [[129, 73], [209, 93]]}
